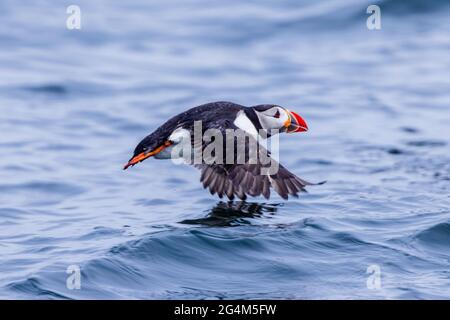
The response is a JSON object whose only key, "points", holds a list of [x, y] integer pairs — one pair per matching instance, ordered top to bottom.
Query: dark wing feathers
{"points": [[240, 180]]}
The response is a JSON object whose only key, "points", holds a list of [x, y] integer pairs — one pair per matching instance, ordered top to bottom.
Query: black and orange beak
{"points": [[295, 123], [144, 155]]}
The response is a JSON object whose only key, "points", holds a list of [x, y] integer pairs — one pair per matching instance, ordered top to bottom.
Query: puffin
{"points": [[239, 178]]}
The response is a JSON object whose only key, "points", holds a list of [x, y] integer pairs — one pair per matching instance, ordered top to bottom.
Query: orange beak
{"points": [[295, 123], [142, 156]]}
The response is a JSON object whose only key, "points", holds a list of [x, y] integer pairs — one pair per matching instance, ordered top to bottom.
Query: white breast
{"points": [[244, 123], [181, 139]]}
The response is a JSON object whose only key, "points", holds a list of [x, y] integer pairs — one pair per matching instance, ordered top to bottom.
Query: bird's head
{"points": [[272, 116], [149, 146]]}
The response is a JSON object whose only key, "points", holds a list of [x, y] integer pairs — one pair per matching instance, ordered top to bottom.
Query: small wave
{"points": [[399, 7], [54, 89], [410, 130], [426, 143], [395, 151], [45, 187], [154, 202], [13, 213], [102, 232], [437, 236], [34, 287]]}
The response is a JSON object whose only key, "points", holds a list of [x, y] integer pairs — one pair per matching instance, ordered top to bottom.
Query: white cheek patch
{"points": [[284, 117], [269, 122]]}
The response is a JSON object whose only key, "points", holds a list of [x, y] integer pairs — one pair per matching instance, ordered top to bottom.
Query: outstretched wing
{"points": [[248, 178], [241, 180]]}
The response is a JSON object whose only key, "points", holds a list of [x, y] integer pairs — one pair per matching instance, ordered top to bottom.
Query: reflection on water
{"points": [[233, 213]]}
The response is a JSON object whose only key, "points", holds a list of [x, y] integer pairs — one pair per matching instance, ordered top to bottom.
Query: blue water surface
{"points": [[74, 103]]}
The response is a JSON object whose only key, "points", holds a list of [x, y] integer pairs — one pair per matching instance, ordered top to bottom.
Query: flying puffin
{"points": [[234, 179]]}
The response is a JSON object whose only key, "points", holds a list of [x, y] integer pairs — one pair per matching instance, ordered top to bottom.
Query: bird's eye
{"points": [[277, 114]]}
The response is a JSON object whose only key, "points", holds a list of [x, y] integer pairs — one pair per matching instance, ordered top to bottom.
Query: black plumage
{"points": [[211, 114], [230, 180]]}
